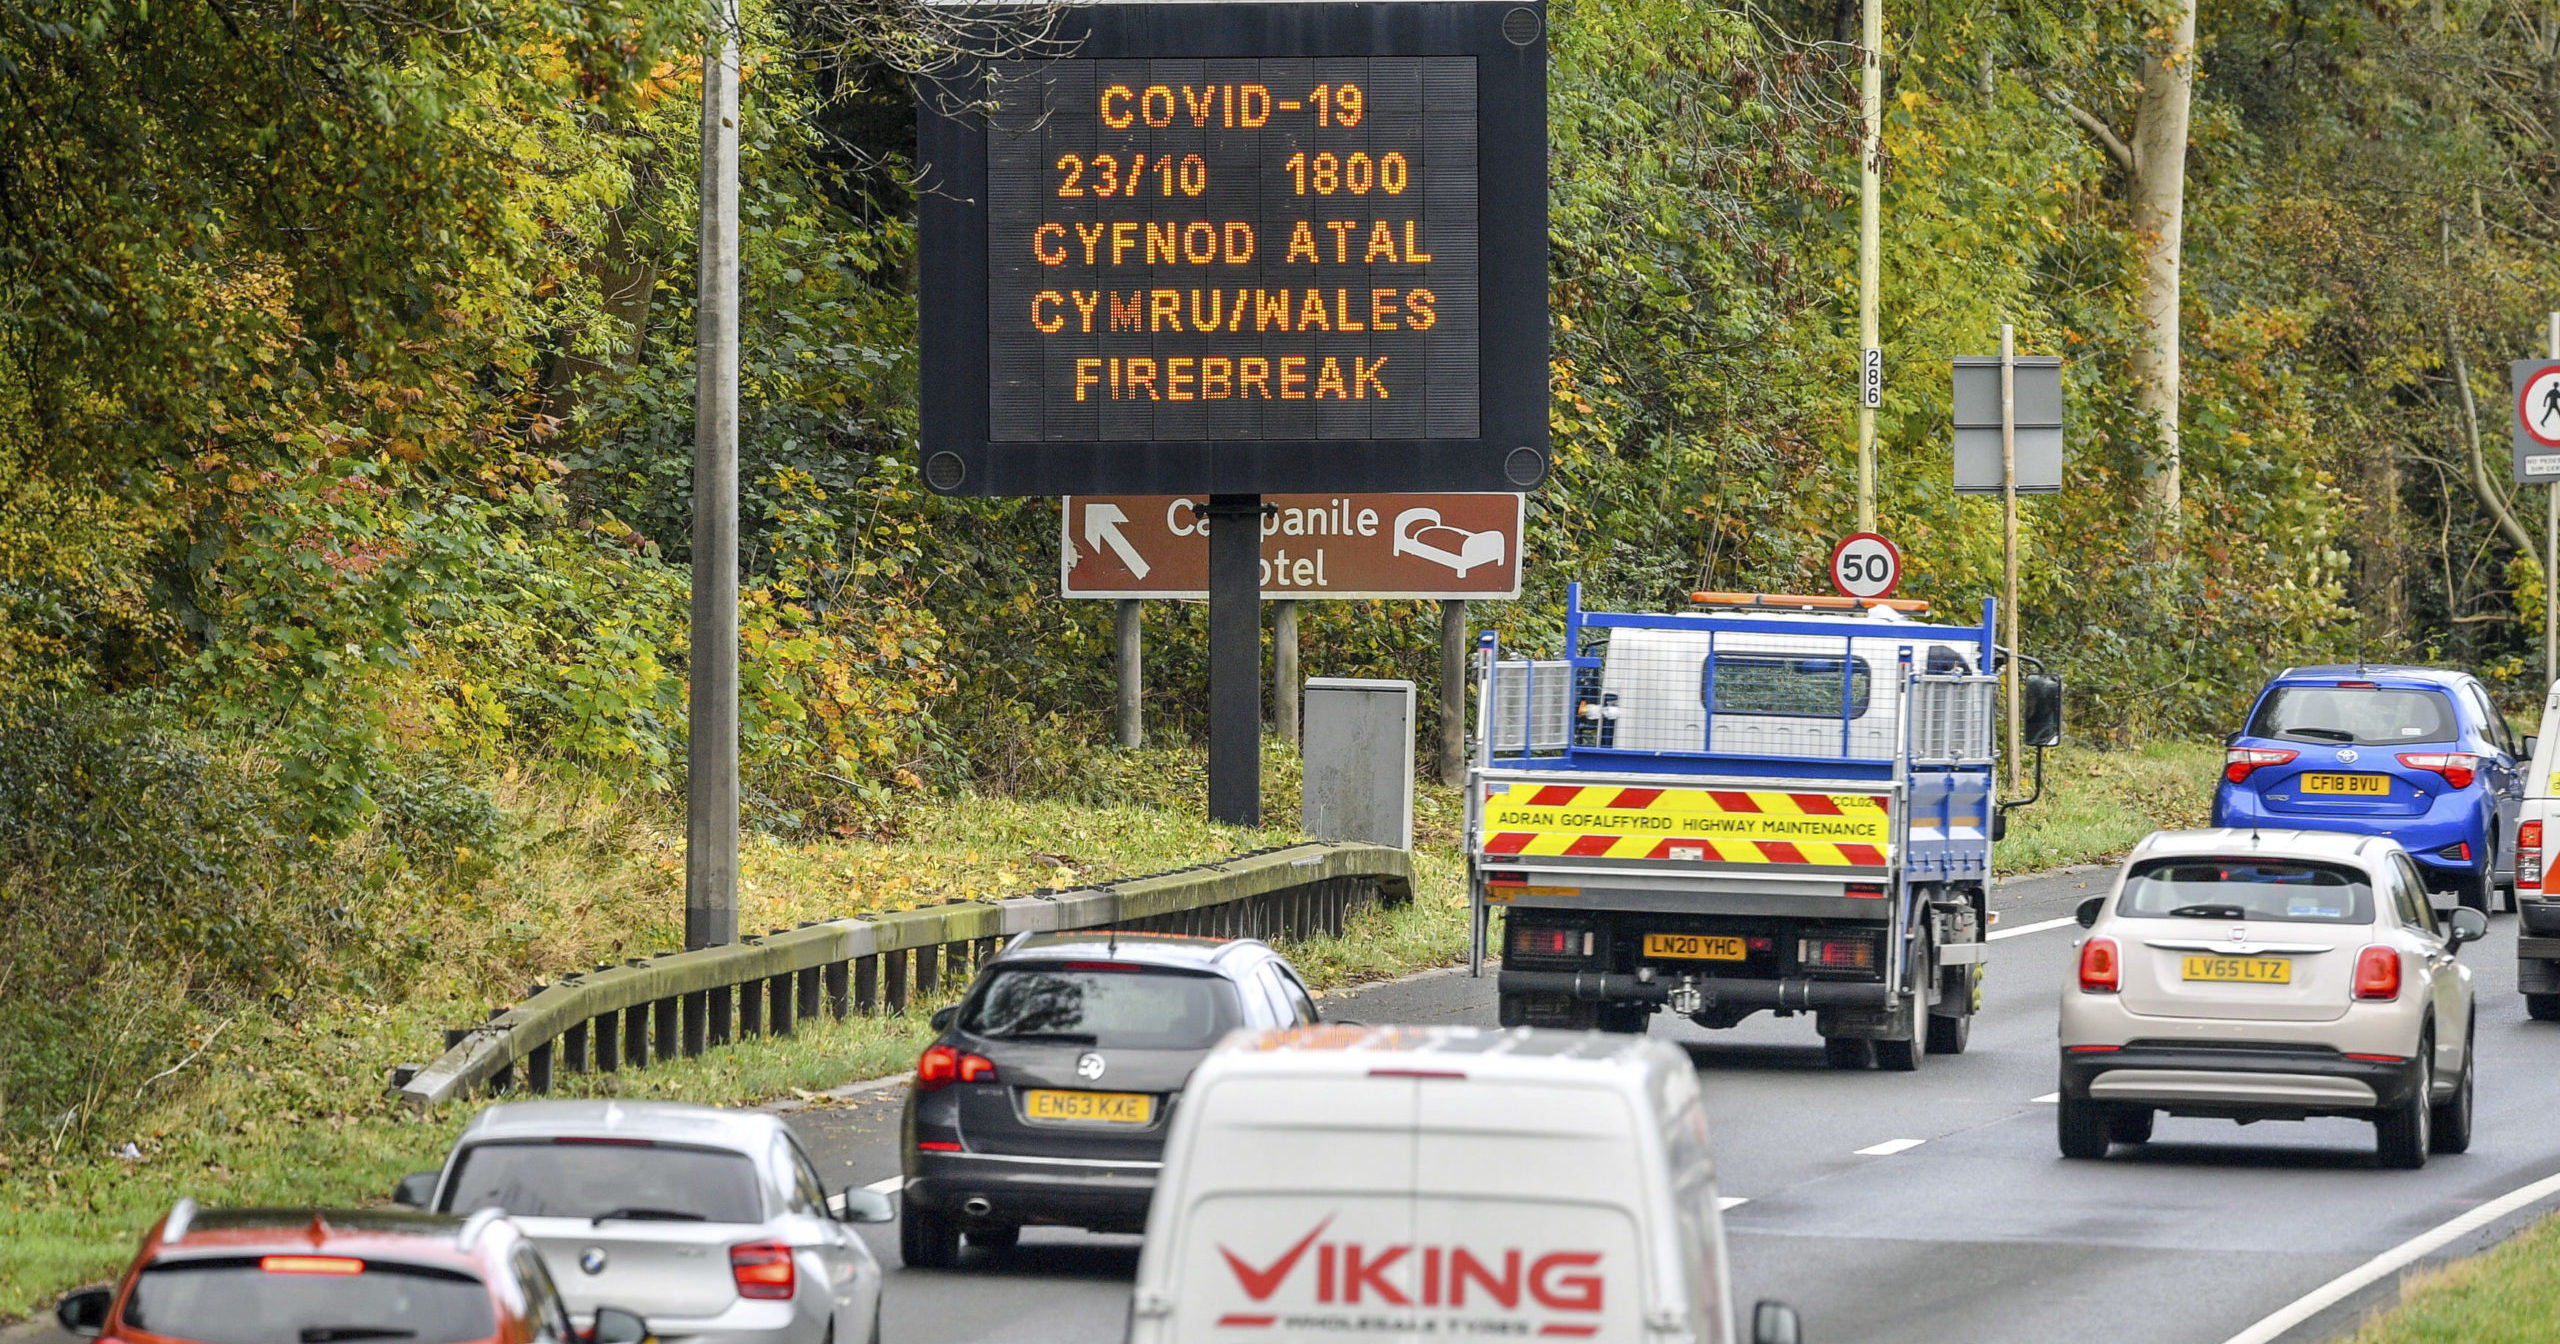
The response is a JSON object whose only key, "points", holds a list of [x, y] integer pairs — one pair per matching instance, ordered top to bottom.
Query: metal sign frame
{"points": [[1508, 42]]}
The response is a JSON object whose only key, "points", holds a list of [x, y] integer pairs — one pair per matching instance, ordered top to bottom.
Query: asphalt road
{"points": [[1910, 1208], [1915, 1208]]}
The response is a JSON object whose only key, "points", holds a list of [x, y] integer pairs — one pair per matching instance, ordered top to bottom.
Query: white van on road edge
{"points": [[1406, 1183]]}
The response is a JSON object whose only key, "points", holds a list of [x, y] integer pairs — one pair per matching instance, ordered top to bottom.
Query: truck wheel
{"points": [[2542, 1007], [1949, 1035], [1847, 1052], [2082, 1128]]}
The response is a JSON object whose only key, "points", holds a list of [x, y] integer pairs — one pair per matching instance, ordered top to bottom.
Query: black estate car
{"points": [[1045, 1097]]}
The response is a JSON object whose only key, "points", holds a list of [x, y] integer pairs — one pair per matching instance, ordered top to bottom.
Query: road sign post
{"points": [[2535, 439], [1235, 660], [711, 712]]}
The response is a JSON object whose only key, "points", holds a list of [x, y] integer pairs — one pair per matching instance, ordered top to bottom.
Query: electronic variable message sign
{"points": [[1242, 249]]}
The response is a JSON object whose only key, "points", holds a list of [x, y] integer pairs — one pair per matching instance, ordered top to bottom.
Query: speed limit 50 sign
{"points": [[1865, 565]]}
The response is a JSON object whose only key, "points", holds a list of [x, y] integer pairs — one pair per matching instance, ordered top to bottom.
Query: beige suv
{"points": [[2269, 975]]}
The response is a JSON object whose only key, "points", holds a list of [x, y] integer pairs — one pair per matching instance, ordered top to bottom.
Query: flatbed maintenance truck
{"points": [[1769, 803]]}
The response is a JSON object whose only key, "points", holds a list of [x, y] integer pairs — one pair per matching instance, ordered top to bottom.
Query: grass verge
{"points": [[2096, 804], [2510, 1295]]}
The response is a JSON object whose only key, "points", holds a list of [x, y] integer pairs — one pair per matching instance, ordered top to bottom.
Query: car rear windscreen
{"points": [[2353, 716], [2247, 889], [1142, 1008], [607, 1179], [321, 1299]]}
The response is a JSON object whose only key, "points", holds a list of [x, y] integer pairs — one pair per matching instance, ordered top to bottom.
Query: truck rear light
{"points": [[2239, 761], [2459, 768], [2529, 856], [1873, 891], [1531, 940], [1837, 954], [2101, 967], [2378, 973], [941, 1066], [763, 1270]]}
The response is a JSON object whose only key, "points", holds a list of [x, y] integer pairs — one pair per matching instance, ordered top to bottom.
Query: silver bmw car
{"points": [[710, 1223]]}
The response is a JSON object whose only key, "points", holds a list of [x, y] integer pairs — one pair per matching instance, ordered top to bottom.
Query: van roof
{"points": [[1518, 1053]]}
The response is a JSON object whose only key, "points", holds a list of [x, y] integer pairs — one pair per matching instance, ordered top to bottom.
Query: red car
{"points": [[312, 1276]]}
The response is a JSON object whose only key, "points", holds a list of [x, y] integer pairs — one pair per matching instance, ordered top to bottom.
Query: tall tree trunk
{"points": [[2159, 195], [2482, 482]]}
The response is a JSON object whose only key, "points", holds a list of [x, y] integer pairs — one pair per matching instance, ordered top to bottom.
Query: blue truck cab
{"points": [[2419, 754], [1769, 803]]}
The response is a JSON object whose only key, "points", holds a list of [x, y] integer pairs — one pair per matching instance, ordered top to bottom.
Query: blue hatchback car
{"points": [[2418, 754]]}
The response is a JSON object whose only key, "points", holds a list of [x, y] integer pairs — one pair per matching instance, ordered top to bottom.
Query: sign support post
{"points": [[2009, 544], [2551, 559], [1125, 632], [1235, 659], [1284, 671], [1453, 691], [711, 715]]}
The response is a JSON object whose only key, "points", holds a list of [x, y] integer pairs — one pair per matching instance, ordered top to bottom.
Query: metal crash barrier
{"points": [[681, 1003]]}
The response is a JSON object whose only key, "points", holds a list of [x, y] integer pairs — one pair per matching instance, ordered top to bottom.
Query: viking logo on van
{"points": [[1351, 1273]]}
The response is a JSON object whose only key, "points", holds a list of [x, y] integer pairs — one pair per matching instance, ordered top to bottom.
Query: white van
{"points": [[2537, 888], [1407, 1183]]}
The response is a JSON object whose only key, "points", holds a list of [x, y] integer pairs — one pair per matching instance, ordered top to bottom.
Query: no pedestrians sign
{"points": [[2537, 424]]}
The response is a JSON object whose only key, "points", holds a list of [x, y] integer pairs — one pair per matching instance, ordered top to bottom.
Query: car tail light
{"points": [[2237, 762], [2459, 768], [2459, 851], [2529, 856], [1529, 940], [1837, 954], [2101, 967], [2378, 973], [941, 1066], [310, 1264], [763, 1270]]}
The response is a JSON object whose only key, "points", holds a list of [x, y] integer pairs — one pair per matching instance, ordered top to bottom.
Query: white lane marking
{"points": [[2038, 927], [2048, 1099], [1890, 1146], [890, 1186], [1724, 1202], [2399, 1257]]}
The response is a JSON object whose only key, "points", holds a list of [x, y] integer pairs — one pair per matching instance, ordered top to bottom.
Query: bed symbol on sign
{"points": [[1421, 534]]}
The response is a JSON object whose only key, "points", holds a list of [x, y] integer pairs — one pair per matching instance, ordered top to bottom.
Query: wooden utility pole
{"points": [[1870, 144], [711, 719]]}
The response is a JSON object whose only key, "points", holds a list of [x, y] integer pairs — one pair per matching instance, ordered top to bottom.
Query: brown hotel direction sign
{"points": [[1242, 248], [1313, 546]]}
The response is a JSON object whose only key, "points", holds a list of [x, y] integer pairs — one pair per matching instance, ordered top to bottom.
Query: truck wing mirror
{"points": [[2043, 709], [2530, 742]]}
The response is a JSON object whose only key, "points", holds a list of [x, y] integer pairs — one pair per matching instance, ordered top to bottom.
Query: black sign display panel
{"points": [[1242, 249]]}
